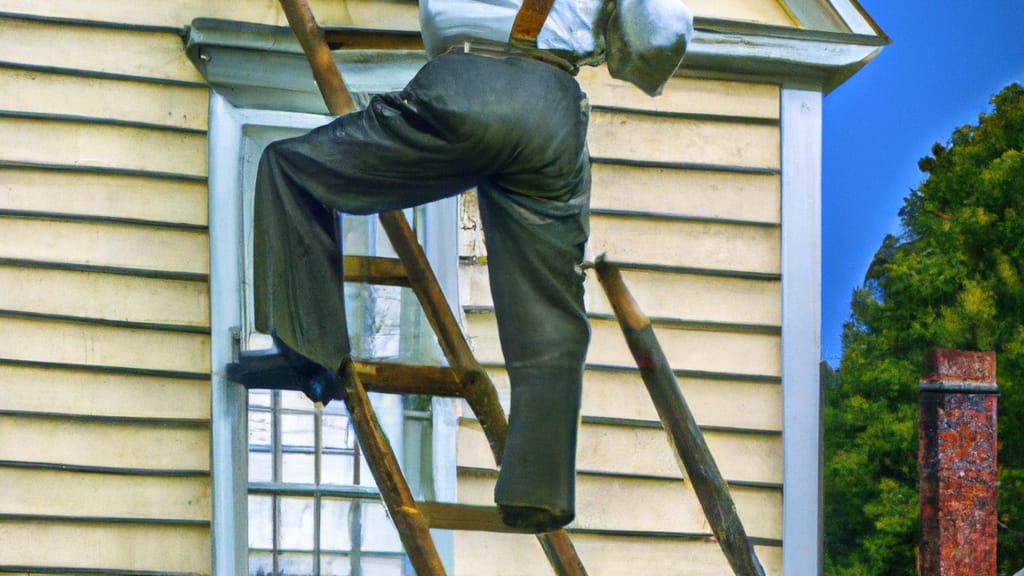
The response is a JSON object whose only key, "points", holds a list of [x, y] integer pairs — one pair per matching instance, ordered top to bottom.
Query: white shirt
{"points": [[643, 41]]}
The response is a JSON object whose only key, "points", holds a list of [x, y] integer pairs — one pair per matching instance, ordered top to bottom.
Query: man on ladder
{"points": [[496, 108]]}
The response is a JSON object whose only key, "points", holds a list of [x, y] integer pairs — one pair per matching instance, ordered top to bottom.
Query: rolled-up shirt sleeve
{"points": [[646, 41]]}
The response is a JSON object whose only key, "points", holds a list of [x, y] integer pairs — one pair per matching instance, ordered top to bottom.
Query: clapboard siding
{"points": [[771, 12], [384, 13], [389, 14], [89, 49], [684, 96], [172, 106], [683, 140], [102, 145], [709, 194], [107, 195], [686, 199], [104, 244], [686, 244], [711, 246], [683, 296], [115, 297], [696, 298], [104, 326], [81, 343], [687, 348], [84, 391], [716, 400], [726, 401], [104, 443], [625, 448], [97, 494], [640, 504], [134, 548], [603, 554]]}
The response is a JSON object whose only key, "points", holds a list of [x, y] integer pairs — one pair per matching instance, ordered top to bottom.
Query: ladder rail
{"points": [[314, 44], [477, 387], [691, 451], [409, 522]]}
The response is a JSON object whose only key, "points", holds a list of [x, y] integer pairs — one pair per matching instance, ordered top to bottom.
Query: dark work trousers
{"points": [[513, 127]]}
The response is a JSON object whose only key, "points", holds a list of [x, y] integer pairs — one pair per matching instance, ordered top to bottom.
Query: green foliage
{"points": [[953, 279]]}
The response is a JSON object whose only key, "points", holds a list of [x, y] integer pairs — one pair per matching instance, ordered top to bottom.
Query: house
{"points": [[131, 131]]}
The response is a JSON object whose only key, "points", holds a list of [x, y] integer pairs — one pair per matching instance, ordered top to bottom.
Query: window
{"points": [[306, 503], [312, 505]]}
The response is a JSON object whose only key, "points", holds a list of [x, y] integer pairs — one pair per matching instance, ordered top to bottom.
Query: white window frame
{"points": [[229, 468]]}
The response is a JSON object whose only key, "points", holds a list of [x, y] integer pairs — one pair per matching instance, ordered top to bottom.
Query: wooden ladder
{"points": [[465, 378]]}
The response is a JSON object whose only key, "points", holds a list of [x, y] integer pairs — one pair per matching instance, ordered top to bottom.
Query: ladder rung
{"points": [[376, 270], [394, 378], [447, 516]]}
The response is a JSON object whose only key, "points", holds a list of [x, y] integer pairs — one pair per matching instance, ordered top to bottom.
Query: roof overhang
{"points": [[815, 59], [260, 66], [263, 67]]}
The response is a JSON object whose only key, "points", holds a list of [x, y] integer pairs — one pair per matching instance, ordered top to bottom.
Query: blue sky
{"points": [[947, 59]]}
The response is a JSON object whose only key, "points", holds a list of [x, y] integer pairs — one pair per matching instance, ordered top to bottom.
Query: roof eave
{"points": [[224, 51], [819, 59]]}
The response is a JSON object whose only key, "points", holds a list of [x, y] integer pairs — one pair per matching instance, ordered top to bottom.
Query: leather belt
{"points": [[499, 50]]}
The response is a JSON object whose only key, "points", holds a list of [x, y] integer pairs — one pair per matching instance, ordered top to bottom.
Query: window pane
{"points": [[386, 321], [259, 398], [295, 400], [259, 428], [297, 430], [336, 432], [261, 467], [298, 468], [337, 469], [365, 475], [261, 522], [297, 523], [334, 525], [379, 535], [261, 564], [295, 564], [335, 565], [376, 566]]}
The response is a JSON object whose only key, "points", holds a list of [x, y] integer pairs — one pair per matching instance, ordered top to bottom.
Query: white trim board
{"points": [[801, 333], [228, 465]]}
